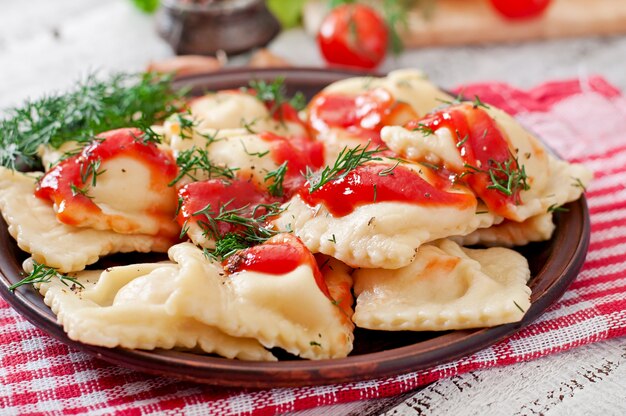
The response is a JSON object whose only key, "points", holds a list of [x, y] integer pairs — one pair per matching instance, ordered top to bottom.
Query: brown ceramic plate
{"points": [[554, 264]]}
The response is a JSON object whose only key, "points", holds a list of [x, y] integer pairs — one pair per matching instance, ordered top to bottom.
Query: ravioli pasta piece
{"points": [[409, 87], [545, 174], [116, 183], [32, 222], [510, 233], [378, 235], [446, 287], [125, 307], [287, 311]]}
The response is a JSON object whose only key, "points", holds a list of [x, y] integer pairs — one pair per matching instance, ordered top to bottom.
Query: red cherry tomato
{"points": [[520, 9], [353, 35]]}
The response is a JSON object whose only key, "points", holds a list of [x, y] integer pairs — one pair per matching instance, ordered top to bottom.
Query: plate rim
{"points": [[226, 372]]}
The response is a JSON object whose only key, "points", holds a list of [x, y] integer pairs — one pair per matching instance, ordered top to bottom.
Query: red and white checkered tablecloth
{"points": [[584, 120]]}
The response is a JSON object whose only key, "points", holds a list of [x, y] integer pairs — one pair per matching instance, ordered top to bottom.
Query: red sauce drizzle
{"points": [[363, 115], [482, 142], [299, 153], [60, 183], [371, 183], [235, 194], [278, 255]]}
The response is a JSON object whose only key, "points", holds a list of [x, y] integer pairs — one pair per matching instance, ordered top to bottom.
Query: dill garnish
{"points": [[274, 94], [478, 103], [92, 107], [424, 129], [462, 142], [257, 154], [194, 160], [348, 160], [430, 165], [91, 170], [389, 170], [278, 177], [507, 177], [579, 184], [557, 208], [248, 226], [44, 274]]}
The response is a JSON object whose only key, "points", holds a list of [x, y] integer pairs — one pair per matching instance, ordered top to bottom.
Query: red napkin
{"points": [[584, 120]]}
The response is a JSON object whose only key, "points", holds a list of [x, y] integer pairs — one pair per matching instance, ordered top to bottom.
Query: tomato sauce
{"points": [[363, 115], [480, 143], [299, 153], [383, 183], [66, 184], [214, 194], [279, 255]]}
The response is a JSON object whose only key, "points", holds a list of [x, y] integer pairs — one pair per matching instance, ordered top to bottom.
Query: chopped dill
{"points": [[44, 274]]}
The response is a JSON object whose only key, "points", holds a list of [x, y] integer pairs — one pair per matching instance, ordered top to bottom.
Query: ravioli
{"points": [[351, 112], [550, 182], [118, 183], [33, 224], [447, 287], [125, 307], [287, 310]]}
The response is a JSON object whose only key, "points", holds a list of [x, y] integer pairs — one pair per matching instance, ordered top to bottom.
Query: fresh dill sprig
{"points": [[274, 94], [456, 100], [478, 103], [92, 107], [248, 125], [424, 129], [462, 141], [257, 154], [194, 160], [348, 160], [430, 165], [91, 170], [389, 171], [278, 177], [507, 177], [579, 184], [80, 191], [556, 208], [249, 224], [226, 246], [44, 274]]}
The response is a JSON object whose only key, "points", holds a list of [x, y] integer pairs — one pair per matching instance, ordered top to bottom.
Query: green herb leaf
{"points": [[274, 94], [92, 107], [194, 160], [347, 161], [277, 177], [507, 177], [557, 208], [251, 228], [44, 274]]}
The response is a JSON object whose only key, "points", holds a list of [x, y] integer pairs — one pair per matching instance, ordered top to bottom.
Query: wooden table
{"points": [[47, 45]]}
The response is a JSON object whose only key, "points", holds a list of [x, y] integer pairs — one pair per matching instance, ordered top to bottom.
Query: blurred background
{"points": [[48, 45]]}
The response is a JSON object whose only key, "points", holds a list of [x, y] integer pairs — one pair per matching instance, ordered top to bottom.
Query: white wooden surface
{"points": [[46, 45]]}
